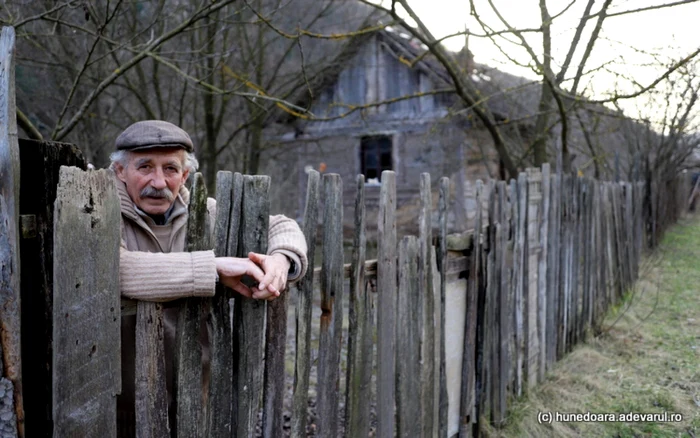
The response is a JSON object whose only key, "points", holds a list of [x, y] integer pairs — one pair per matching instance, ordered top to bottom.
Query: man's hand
{"points": [[276, 267], [232, 269]]}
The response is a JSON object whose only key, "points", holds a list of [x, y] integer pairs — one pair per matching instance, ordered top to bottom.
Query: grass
{"points": [[647, 359]]}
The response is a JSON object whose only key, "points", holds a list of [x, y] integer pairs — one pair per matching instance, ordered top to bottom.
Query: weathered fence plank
{"points": [[444, 195], [553, 267], [542, 269], [10, 273], [474, 284], [305, 288], [426, 302], [503, 302], [386, 312], [249, 314], [360, 331], [330, 338], [221, 343], [189, 348], [86, 361], [526, 367], [274, 380], [408, 382], [151, 405]]}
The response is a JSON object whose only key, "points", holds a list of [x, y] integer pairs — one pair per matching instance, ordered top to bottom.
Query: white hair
{"points": [[122, 157]]}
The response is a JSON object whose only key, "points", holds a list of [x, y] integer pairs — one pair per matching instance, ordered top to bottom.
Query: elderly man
{"points": [[151, 164]]}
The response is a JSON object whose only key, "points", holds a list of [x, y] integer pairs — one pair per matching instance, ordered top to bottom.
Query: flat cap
{"points": [[149, 134]]}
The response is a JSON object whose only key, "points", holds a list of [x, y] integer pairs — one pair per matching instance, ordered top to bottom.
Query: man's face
{"points": [[153, 178]]}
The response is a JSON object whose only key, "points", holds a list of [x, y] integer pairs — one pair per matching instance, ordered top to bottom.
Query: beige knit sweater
{"points": [[154, 266]]}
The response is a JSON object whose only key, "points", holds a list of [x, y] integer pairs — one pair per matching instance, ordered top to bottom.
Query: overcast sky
{"points": [[671, 31]]}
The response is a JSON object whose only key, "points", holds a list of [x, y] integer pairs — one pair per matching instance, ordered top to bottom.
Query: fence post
{"points": [[442, 261], [553, 266], [542, 268], [474, 284], [305, 289], [86, 296], [426, 300], [386, 312], [249, 314], [360, 331], [330, 338], [408, 382], [12, 420], [218, 421]]}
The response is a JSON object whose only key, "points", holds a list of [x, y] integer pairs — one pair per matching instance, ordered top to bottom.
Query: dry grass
{"points": [[646, 361]]}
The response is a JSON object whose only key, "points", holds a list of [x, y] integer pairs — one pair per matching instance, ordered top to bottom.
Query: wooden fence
{"points": [[554, 252], [547, 256]]}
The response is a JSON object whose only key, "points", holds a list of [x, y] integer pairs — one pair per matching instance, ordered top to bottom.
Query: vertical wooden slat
{"points": [[443, 199], [587, 235], [9, 236], [553, 260], [575, 262], [564, 265], [542, 268], [305, 288], [504, 300], [426, 301], [522, 304], [386, 312], [249, 314], [470, 326], [360, 331], [484, 332], [330, 338], [491, 338], [499, 341], [189, 349], [86, 360], [221, 375], [274, 378], [408, 382], [151, 393]]}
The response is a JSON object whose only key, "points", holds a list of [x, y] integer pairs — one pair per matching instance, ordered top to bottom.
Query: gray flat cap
{"points": [[149, 134]]}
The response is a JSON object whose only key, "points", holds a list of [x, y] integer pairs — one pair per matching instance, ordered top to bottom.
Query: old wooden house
{"points": [[388, 107], [413, 131]]}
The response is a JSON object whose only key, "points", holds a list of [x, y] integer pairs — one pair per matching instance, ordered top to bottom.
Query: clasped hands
{"points": [[269, 271]]}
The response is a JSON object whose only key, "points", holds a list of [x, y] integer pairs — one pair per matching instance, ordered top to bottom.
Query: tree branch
{"points": [[27, 126]]}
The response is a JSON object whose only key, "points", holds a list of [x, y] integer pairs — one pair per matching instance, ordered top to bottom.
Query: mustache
{"points": [[150, 192]]}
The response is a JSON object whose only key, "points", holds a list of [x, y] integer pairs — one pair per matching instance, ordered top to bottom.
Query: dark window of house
{"points": [[375, 156]]}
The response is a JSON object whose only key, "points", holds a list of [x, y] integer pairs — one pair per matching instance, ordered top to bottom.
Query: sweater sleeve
{"points": [[285, 236], [166, 276]]}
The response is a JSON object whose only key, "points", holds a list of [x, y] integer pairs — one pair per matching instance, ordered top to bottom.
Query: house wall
{"points": [[439, 148]]}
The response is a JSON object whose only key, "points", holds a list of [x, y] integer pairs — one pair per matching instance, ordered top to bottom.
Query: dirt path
{"points": [[646, 361]]}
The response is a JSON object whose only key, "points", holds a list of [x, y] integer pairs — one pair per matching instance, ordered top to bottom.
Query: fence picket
{"points": [[444, 195], [10, 237], [553, 263], [542, 268], [305, 288], [86, 297], [426, 301], [386, 312], [249, 314], [470, 326], [360, 331], [330, 338], [189, 348], [408, 382], [151, 394], [218, 422]]}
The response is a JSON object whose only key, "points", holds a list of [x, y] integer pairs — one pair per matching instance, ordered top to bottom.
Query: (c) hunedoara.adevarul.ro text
{"points": [[592, 417]]}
